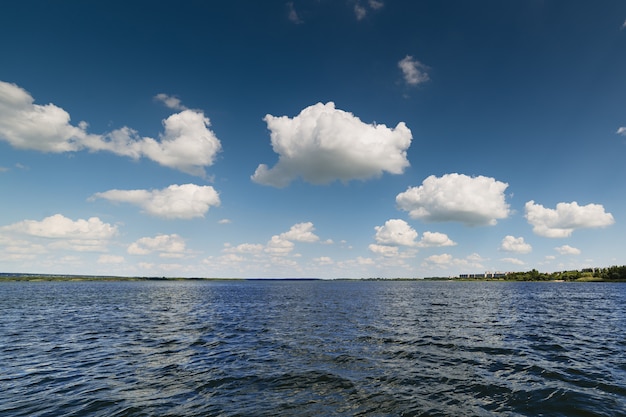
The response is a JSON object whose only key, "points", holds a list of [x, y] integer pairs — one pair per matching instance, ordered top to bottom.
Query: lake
{"points": [[312, 348]]}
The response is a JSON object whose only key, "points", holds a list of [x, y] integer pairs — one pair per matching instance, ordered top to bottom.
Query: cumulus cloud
{"points": [[413, 71], [170, 102], [621, 131], [187, 144], [323, 144], [474, 201], [174, 202], [566, 218], [61, 227], [301, 232], [395, 232], [91, 235], [435, 239], [515, 244], [168, 246], [278, 246], [245, 248], [384, 250], [567, 250], [443, 259], [514, 261]]}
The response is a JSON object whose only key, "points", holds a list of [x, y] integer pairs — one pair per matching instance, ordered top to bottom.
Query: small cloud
{"points": [[362, 9], [292, 14], [624, 25], [414, 72], [170, 102], [621, 131], [4, 169], [474, 201], [174, 202], [567, 217], [224, 221], [301, 232], [395, 232], [432, 239], [515, 244], [168, 246], [384, 250], [567, 250], [110, 259], [323, 260], [514, 261]]}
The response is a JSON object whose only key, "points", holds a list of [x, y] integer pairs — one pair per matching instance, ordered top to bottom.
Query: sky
{"points": [[312, 138]]}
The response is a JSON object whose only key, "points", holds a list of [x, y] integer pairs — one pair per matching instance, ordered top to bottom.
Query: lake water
{"points": [[312, 348]]}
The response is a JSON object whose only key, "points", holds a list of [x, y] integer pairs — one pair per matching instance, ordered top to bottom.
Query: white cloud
{"points": [[376, 4], [361, 10], [293, 14], [414, 72], [170, 102], [621, 131], [187, 143], [323, 144], [474, 201], [174, 202], [566, 218], [224, 221], [61, 227], [301, 232], [395, 232], [435, 239], [515, 244], [168, 246], [278, 246], [245, 248], [384, 250], [567, 250], [110, 259], [443, 259], [323, 260], [513, 261]]}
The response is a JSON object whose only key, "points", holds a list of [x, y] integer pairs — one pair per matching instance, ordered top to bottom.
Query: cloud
{"points": [[361, 10], [292, 15], [414, 72], [170, 102], [621, 131], [187, 144], [323, 144], [474, 201], [174, 202], [566, 218], [224, 221], [61, 227], [301, 232], [395, 232], [91, 235], [430, 239], [515, 244], [168, 246], [278, 246], [245, 248], [384, 250], [567, 250], [110, 259], [443, 259], [514, 261]]}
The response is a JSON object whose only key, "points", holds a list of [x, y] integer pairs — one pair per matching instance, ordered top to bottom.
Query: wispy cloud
{"points": [[413, 71], [170, 102]]}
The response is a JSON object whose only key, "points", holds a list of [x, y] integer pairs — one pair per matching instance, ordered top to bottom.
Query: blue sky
{"points": [[312, 138]]}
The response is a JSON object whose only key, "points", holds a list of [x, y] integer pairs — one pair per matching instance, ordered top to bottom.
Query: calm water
{"points": [[312, 349]]}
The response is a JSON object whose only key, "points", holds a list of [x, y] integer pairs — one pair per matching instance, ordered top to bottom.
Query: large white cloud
{"points": [[187, 144], [323, 144], [474, 201], [174, 202], [566, 218], [396, 232], [515, 244], [168, 246]]}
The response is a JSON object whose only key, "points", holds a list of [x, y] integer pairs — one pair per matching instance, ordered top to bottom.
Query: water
{"points": [[312, 349]]}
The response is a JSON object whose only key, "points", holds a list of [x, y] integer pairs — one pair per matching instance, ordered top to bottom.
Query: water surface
{"points": [[312, 348]]}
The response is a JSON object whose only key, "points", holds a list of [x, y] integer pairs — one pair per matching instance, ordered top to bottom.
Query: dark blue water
{"points": [[312, 349]]}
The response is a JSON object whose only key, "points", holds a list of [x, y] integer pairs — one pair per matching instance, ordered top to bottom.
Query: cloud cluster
{"points": [[361, 9], [413, 71], [187, 144], [323, 144], [474, 201], [174, 202], [567, 217], [396, 232], [91, 235], [515, 244], [168, 246], [567, 250]]}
